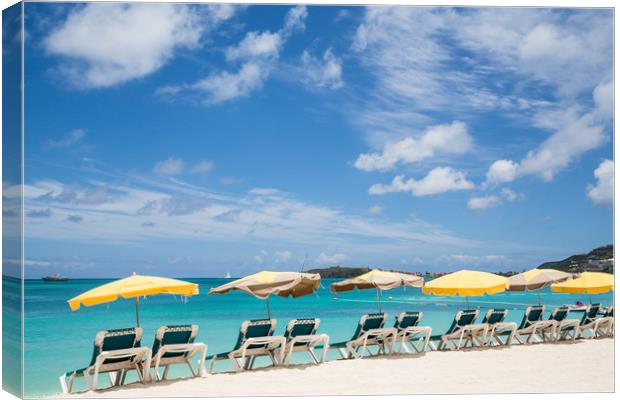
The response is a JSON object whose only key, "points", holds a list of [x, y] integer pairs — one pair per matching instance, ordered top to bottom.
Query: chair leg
{"points": [[352, 351], [313, 356], [273, 360], [211, 364], [236, 365], [191, 368], [66, 388]]}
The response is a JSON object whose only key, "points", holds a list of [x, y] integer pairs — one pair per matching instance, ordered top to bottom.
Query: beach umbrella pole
{"points": [[379, 298], [136, 300], [268, 308]]}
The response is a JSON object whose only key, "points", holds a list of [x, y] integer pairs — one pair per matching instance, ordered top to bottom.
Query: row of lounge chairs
{"points": [[116, 352]]}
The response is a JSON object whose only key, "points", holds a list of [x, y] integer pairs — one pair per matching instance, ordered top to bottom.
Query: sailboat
{"points": [[227, 275]]}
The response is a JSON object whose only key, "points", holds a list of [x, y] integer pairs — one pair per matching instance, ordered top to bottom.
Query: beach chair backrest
{"points": [[609, 312], [532, 314], [559, 314], [590, 314], [495, 316], [462, 318], [407, 319], [368, 322], [301, 327], [255, 328], [174, 334], [115, 339]]}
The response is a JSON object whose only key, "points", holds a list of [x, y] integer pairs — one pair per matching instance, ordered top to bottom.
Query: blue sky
{"points": [[196, 140]]}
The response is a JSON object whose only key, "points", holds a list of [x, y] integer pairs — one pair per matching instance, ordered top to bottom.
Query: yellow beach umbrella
{"points": [[536, 279], [379, 280], [587, 282], [265, 283], [466, 283], [133, 286]]}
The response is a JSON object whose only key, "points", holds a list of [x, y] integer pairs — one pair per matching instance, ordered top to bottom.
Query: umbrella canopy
{"points": [[376, 278], [536, 279], [379, 280], [587, 282], [265, 283], [466, 283], [133, 287]]}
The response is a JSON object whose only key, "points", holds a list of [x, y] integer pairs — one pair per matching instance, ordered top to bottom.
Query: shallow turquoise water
{"points": [[57, 339]]}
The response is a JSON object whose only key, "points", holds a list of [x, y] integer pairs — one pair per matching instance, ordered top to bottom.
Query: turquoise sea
{"points": [[57, 339]]}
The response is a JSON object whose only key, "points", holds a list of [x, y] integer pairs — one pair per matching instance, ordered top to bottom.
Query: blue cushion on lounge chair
{"points": [[535, 315], [496, 316], [467, 317], [409, 319], [370, 321], [301, 327], [255, 328], [174, 334], [113, 339]]}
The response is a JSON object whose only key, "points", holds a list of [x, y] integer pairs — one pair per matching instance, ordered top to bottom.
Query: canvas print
{"points": [[211, 200]]}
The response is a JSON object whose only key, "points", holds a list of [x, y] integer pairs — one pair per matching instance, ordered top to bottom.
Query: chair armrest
{"points": [[545, 324], [503, 327], [473, 328], [416, 330], [383, 332], [310, 339], [270, 342], [181, 348], [123, 353]]}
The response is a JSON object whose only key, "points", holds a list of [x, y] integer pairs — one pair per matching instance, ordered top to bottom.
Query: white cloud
{"points": [[222, 12], [295, 20], [102, 45], [254, 45], [258, 53], [517, 61], [322, 73], [226, 86], [604, 101], [574, 134], [578, 135], [73, 137], [446, 138], [170, 167], [202, 167], [502, 171], [230, 180], [438, 180], [603, 191], [511, 195], [483, 202], [479, 203], [376, 209], [180, 211], [283, 256], [331, 259], [490, 261]]}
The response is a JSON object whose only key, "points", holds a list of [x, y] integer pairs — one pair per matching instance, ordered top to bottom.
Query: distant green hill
{"points": [[598, 260], [338, 272]]}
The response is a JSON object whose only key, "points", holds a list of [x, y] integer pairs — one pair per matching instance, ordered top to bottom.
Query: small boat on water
{"points": [[227, 275], [55, 278], [578, 306]]}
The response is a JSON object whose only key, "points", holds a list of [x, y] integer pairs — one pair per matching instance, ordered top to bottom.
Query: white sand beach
{"points": [[585, 366]]}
